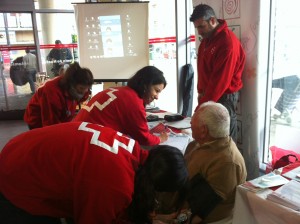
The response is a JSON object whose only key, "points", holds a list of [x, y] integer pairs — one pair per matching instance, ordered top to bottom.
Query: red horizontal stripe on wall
{"points": [[191, 38], [162, 40], [74, 45], [45, 46], [50, 46]]}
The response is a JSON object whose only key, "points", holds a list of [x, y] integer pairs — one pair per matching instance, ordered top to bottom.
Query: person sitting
{"points": [[59, 57], [56, 100], [123, 108], [215, 165], [84, 172]]}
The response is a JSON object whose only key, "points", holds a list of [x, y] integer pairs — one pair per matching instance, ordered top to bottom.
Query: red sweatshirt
{"points": [[220, 64], [50, 105], [121, 109], [79, 170]]}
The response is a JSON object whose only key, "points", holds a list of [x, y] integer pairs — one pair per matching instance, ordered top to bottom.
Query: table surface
{"points": [[254, 208]]}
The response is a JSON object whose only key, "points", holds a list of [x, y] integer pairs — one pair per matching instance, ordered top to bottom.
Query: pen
{"points": [[166, 128], [169, 130]]}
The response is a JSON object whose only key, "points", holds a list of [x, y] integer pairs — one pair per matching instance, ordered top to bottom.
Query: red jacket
{"points": [[220, 63], [50, 105], [121, 109], [78, 170]]}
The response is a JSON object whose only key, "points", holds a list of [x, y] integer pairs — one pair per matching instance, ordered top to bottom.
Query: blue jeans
{"points": [[31, 79]]}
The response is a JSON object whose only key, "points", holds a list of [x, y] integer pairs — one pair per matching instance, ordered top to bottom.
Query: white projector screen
{"points": [[113, 38]]}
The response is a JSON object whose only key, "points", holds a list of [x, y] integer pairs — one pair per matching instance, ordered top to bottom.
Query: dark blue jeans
{"points": [[31, 76], [31, 79], [230, 102]]}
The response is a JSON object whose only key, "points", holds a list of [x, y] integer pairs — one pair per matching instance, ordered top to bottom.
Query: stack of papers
{"points": [[178, 140], [293, 174], [269, 180], [251, 187], [287, 195]]}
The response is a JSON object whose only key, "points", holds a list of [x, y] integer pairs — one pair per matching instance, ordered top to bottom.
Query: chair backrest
{"points": [[41, 78], [187, 86]]}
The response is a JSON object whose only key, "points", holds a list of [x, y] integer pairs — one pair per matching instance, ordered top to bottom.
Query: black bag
{"points": [[18, 74], [175, 117]]}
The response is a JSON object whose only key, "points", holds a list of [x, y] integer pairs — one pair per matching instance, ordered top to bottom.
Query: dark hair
{"points": [[202, 11], [57, 42], [27, 50], [75, 75], [144, 78], [164, 171]]}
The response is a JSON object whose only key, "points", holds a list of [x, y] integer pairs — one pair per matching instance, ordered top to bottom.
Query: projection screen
{"points": [[113, 38]]}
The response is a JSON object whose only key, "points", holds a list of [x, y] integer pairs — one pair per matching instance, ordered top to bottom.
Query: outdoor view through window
{"points": [[285, 72]]}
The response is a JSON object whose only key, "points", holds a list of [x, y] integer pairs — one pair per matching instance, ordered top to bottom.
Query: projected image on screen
{"points": [[111, 35], [113, 38]]}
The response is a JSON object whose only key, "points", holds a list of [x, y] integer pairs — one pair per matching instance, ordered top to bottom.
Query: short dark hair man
{"points": [[220, 62]]}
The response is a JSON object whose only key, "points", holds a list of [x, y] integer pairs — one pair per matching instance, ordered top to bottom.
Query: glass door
{"points": [[16, 35], [284, 129]]}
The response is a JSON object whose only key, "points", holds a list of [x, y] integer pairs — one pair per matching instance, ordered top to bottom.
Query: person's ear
{"points": [[213, 21], [145, 89], [203, 131]]}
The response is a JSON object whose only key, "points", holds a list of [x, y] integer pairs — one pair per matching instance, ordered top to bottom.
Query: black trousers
{"points": [[230, 102], [10, 214]]}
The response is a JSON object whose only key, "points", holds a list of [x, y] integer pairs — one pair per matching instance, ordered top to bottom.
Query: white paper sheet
{"points": [[179, 141], [293, 174], [269, 180], [287, 195]]}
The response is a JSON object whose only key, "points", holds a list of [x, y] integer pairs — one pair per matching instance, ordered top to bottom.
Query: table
{"points": [[180, 131], [253, 208]]}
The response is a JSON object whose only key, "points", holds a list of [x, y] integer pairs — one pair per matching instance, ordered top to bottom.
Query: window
{"points": [[284, 130]]}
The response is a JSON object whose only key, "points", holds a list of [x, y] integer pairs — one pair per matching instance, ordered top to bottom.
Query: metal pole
{"points": [[4, 85]]}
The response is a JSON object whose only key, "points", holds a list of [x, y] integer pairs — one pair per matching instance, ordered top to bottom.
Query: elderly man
{"points": [[216, 166]]}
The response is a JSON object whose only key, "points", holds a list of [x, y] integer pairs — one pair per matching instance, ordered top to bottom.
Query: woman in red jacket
{"points": [[56, 101], [123, 108], [86, 172]]}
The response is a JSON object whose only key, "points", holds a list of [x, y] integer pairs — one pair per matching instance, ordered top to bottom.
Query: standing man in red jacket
{"points": [[220, 62]]}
